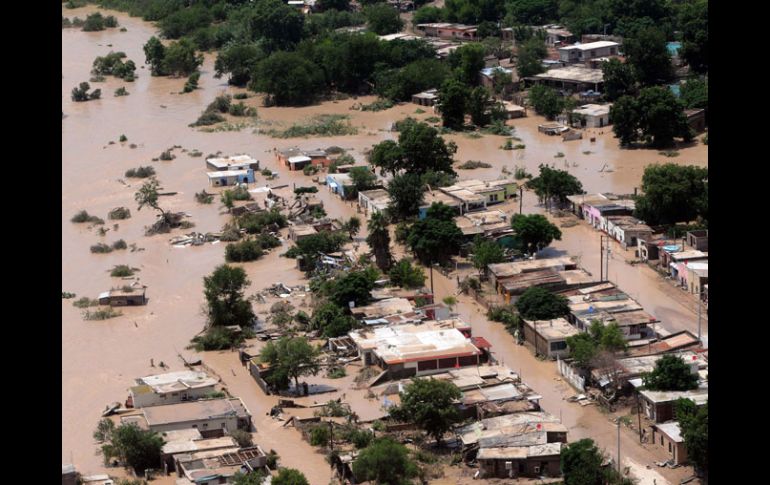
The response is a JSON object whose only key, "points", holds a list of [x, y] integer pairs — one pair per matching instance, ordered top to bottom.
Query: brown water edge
{"points": [[101, 359]]}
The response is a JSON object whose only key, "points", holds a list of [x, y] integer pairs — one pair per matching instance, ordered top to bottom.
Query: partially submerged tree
{"points": [[452, 100], [554, 185], [672, 194], [406, 195], [147, 196], [436, 238], [379, 240], [486, 252], [405, 275], [225, 304], [290, 358], [429, 403], [138, 448], [384, 461], [289, 476]]}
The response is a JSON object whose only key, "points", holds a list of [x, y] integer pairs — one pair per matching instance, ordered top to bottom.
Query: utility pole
{"points": [[521, 197], [431, 280], [700, 305], [639, 416], [618, 446]]}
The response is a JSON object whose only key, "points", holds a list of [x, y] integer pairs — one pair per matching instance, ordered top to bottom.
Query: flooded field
{"points": [[101, 359]]}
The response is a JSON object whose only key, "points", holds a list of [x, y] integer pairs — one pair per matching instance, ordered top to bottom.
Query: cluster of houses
{"points": [[233, 170], [464, 196], [685, 261], [189, 410]]}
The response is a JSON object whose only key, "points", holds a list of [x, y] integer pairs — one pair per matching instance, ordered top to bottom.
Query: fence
{"points": [[570, 375]]}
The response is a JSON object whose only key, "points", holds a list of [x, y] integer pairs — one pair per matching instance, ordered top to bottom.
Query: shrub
{"points": [[94, 22], [192, 82], [121, 91], [240, 96], [240, 109], [208, 118], [319, 125], [167, 155], [473, 164], [310, 170], [140, 172], [203, 197], [119, 213], [84, 216], [119, 244], [247, 250], [121, 270], [66, 295], [85, 302], [101, 314], [218, 338], [336, 373], [319, 435], [243, 438]]}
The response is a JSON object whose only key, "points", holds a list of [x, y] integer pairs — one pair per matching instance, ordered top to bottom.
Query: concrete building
{"points": [[585, 52], [487, 76], [571, 78], [426, 98], [513, 111], [593, 115], [696, 119], [236, 162], [298, 162], [227, 178], [337, 183], [439, 197], [376, 200], [595, 208], [489, 224], [627, 230], [299, 232], [698, 240], [127, 296], [549, 337], [416, 350], [170, 388], [659, 405], [212, 417], [669, 437], [185, 441], [219, 466]]}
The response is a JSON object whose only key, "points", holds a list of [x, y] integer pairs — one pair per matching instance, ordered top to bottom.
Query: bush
{"points": [[94, 22], [192, 82], [121, 91], [240, 96], [240, 109], [208, 118], [319, 125], [167, 155], [473, 164], [310, 170], [140, 172], [203, 197], [119, 213], [84, 216], [255, 223], [119, 244], [247, 250], [122, 270], [66, 295], [85, 302], [101, 314], [217, 338], [336, 373], [319, 435], [243, 438]]}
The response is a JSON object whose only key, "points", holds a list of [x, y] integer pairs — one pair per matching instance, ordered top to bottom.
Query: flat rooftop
{"points": [[590, 45], [572, 74], [593, 110], [226, 173], [439, 197], [502, 270], [388, 306], [556, 329], [410, 342], [177, 381], [194, 411], [671, 429], [519, 452]]}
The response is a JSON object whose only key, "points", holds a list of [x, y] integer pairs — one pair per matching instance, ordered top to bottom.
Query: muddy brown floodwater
{"points": [[101, 359]]}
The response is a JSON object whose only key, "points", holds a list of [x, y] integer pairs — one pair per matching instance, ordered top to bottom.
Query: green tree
{"points": [[340, 5], [532, 12], [427, 15], [383, 19], [185, 21], [94, 22], [278, 24], [694, 27], [155, 52], [648, 56], [530, 57], [180, 58], [238, 60], [467, 61], [288, 79], [619, 79], [399, 84], [80, 93], [695, 94], [452, 100], [546, 101], [479, 104], [661, 117], [625, 120], [424, 150], [387, 156], [362, 178], [554, 185], [672, 193], [406, 195], [147, 196], [352, 226], [534, 232], [436, 238], [379, 240], [485, 253], [405, 275], [353, 286], [224, 290], [537, 303], [331, 320], [612, 338], [583, 349], [290, 358], [671, 373], [429, 403], [694, 426], [104, 430], [243, 438], [140, 449], [384, 461], [581, 463], [290, 476], [255, 477]]}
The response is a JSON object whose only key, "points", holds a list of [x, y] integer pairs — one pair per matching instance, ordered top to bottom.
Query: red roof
{"points": [[480, 342]]}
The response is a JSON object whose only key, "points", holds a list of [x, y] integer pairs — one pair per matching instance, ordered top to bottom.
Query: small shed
{"points": [[426, 98], [593, 115], [298, 162], [123, 297]]}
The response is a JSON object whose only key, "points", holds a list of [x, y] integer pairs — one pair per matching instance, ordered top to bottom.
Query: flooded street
{"points": [[100, 359]]}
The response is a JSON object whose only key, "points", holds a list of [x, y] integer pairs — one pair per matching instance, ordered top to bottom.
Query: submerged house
{"points": [[226, 178], [127, 296], [170, 388], [212, 417]]}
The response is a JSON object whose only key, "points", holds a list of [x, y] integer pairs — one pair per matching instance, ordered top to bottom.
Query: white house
{"points": [[586, 52], [593, 115], [170, 388]]}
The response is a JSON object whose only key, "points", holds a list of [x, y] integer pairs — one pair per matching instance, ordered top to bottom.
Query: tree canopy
{"points": [[383, 19], [647, 54], [530, 57], [467, 61], [288, 79], [619, 79], [452, 100], [546, 101], [420, 149], [554, 184], [673, 193], [406, 195], [534, 232], [436, 238], [379, 240], [486, 252], [406, 275], [353, 286], [224, 290], [537, 303], [332, 320], [585, 346], [290, 358], [671, 373], [429, 403], [694, 427], [138, 448], [384, 461], [581, 463], [289, 476]]}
